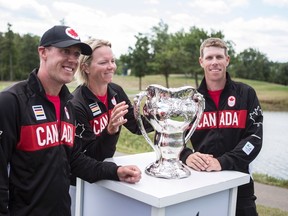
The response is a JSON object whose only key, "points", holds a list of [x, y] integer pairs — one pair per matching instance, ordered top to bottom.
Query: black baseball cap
{"points": [[64, 36]]}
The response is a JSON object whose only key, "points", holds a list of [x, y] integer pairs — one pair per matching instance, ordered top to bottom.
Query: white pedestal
{"points": [[201, 194]]}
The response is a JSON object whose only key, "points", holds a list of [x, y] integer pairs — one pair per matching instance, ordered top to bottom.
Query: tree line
{"points": [[155, 52], [18, 55]]}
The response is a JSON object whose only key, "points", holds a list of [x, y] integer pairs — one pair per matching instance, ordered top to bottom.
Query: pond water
{"points": [[273, 158]]}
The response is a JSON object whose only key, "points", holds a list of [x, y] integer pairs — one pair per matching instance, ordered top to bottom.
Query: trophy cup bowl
{"points": [[174, 113]]}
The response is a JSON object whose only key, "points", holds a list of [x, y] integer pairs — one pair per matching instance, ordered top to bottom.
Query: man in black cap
{"points": [[37, 146]]}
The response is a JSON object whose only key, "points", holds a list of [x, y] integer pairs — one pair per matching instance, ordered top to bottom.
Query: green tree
{"points": [[10, 36], [192, 41], [2, 46], [155, 52], [162, 53], [7, 54], [28, 56], [140, 58], [137, 59], [252, 64], [280, 73]]}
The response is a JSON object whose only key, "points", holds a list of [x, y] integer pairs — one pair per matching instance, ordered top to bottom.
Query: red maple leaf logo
{"points": [[73, 33]]}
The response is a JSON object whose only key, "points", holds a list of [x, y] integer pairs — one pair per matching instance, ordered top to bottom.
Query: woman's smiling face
{"points": [[103, 65]]}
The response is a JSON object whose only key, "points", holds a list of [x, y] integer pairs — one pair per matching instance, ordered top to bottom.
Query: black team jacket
{"points": [[93, 116], [233, 133], [37, 157]]}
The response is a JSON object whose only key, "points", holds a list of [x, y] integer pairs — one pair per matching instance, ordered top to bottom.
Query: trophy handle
{"points": [[137, 113], [198, 115]]}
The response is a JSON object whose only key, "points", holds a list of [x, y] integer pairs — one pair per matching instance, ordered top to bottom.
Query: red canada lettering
{"points": [[223, 119], [228, 119], [208, 120], [99, 123], [68, 132], [47, 135], [41, 136]]}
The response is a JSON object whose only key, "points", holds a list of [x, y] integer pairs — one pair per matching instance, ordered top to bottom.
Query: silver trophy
{"points": [[174, 113]]}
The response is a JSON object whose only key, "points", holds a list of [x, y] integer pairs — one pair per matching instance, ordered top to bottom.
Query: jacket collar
{"points": [[203, 86], [91, 96]]}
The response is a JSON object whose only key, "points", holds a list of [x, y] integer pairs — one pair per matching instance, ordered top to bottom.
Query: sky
{"points": [[257, 24]]}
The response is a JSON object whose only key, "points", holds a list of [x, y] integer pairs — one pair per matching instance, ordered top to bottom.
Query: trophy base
{"points": [[168, 169]]}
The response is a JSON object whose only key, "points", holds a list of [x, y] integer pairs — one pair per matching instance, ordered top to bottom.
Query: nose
{"points": [[72, 54], [73, 58], [214, 60], [112, 65]]}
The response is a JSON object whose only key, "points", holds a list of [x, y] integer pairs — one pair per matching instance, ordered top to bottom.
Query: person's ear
{"points": [[200, 62], [84, 67]]}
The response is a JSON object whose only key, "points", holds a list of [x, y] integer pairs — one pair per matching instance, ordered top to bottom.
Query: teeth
{"points": [[68, 68]]}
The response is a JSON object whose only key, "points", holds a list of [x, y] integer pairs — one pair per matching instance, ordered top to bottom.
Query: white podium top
{"points": [[160, 192]]}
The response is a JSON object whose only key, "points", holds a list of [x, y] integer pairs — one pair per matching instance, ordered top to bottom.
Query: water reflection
{"points": [[273, 158]]}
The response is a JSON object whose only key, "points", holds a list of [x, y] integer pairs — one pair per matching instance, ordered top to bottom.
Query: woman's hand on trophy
{"points": [[117, 117], [199, 161], [130, 174]]}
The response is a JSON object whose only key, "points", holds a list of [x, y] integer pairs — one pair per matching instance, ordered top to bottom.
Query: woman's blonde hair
{"points": [[84, 60]]}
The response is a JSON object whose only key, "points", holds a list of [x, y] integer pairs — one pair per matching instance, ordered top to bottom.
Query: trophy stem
{"points": [[168, 166]]}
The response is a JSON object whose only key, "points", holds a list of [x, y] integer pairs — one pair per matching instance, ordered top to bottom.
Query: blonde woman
{"points": [[101, 105]]}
